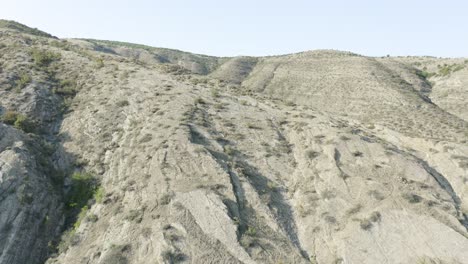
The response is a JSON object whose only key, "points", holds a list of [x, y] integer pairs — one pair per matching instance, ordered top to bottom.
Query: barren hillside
{"points": [[118, 153]]}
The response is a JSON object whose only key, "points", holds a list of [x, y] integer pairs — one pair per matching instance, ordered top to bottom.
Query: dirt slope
{"points": [[118, 153]]}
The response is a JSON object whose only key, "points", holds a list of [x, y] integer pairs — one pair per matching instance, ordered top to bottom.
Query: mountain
{"points": [[119, 153]]}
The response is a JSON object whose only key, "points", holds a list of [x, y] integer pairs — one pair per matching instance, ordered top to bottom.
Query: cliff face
{"points": [[120, 153]]}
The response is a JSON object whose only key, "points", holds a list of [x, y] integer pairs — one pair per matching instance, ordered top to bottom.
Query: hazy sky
{"points": [[258, 27]]}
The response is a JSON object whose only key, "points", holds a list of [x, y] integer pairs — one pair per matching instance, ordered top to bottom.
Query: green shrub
{"points": [[43, 58], [99, 63], [446, 69], [425, 74], [23, 81], [66, 88], [215, 92], [199, 101], [122, 103], [10, 117], [19, 121], [23, 123], [253, 126], [229, 150], [312, 154], [83, 188], [99, 195], [412, 198], [81, 217], [251, 231]]}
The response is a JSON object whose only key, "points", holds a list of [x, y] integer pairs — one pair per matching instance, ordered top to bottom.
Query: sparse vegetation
{"points": [[22, 28], [43, 58], [99, 63], [446, 69], [425, 74], [23, 81], [66, 88], [215, 92], [199, 100], [122, 103], [10, 117], [19, 121], [23, 123], [253, 126], [229, 150], [311, 154], [358, 154], [272, 155], [83, 188], [99, 194], [412, 198], [354, 209], [135, 215], [369, 222], [251, 231], [116, 254], [172, 256]]}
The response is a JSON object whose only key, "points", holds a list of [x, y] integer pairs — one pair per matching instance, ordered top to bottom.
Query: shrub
{"points": [[43, 58], [99, 63], [446, 69], [425, 74], [23, 81], [66, 88], [215, 92], [199, 101], [122, 103], [10, 117], [19, 121], [23, 123], [253, 126], [229, 150], [312, 154], [357, 154], [83, 188], [99, 195], [412, 198], [354, 210], [135, 215], [81, 216], [375, 216], [366, 224], [251, 231], [68, 238], [116, 255], [173, 257]]}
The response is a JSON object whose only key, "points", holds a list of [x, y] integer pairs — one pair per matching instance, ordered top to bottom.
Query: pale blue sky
{"points": [[228, 28]]}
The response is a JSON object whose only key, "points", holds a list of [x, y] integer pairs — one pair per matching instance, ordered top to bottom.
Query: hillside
{"points": [[118, 153]]}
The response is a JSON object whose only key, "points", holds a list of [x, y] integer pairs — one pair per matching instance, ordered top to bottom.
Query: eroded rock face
{"points": [[318, 157], [31, 213]]}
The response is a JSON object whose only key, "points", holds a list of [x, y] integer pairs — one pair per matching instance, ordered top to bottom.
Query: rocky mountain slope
{"points": [[114, 152]]}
